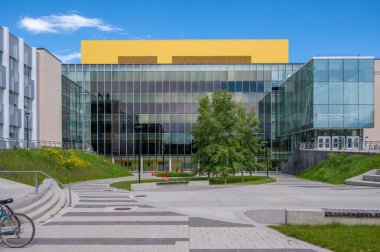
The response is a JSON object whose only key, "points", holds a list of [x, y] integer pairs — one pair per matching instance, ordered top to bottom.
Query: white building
{"points": [[18, 87]]}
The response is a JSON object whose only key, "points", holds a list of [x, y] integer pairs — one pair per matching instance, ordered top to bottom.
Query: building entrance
{"points": [[324, 142], [338, 142], [353, 142]]}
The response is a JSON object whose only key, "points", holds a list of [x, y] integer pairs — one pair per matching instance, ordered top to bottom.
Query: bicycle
{"points": [[16, 230]]}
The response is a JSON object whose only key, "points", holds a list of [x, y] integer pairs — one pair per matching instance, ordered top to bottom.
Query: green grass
{"points": [[65, 166], [340, 167], [176, 174], [213, 181], [127, 184], [336, 237]]}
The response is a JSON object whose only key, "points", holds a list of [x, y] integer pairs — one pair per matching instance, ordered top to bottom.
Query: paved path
{"points": [[10, 189], [229, 203], [93, 225]]}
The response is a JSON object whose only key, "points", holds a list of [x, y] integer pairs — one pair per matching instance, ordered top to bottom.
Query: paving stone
{"points": [[103, 206], [122, 214], [204, 222], [115, 223], [107, 241]]}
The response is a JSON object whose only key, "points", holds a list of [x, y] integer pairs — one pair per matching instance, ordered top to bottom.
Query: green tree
{"points": [[225, 140], [247, 141]]}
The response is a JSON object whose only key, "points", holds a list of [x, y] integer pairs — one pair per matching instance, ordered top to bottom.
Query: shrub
{"points": [[175, 174]]}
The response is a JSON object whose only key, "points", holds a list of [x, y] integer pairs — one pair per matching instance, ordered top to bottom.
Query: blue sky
{"points": [[313, 27]]}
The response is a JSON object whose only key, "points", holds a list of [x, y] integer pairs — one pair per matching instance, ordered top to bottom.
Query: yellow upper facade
{"points": [[184, 51]]}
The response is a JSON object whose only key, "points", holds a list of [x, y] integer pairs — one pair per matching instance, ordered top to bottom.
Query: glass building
{"points": [[157, 84], [329, 101], [102, 104]]}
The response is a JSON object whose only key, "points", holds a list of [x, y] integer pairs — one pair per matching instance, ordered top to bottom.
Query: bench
{"points": [[173, 183], [155, 185], [329, 212]]}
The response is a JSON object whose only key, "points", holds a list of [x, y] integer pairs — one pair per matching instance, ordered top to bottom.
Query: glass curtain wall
{"points": [[326, 97], [164, 100]]}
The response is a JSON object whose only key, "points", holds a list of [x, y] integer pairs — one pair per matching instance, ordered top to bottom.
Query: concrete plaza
{"points": [[218, 218]]}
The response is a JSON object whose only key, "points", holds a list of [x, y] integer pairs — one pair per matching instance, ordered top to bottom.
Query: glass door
{"points": [[324, 142], [338, 142], [353, 142]]}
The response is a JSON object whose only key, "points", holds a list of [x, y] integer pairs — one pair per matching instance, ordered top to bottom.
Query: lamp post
{"points": [[27, 114], [139, 129], [163, 156], [266, 156]]}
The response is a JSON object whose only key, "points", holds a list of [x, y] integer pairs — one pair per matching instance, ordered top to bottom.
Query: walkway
{"points": [[10, 189], [229, 203], [93, 225]]}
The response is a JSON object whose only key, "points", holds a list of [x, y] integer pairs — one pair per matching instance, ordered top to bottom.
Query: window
{"points": [[13, 64], [351, 67], [336, 70], [27, 71], [336, 93], [13, 99], [27, 103], [13, 132]]}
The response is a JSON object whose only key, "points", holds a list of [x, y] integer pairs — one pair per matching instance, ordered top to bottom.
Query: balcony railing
{"points": [[7, 143], [357, 147]]}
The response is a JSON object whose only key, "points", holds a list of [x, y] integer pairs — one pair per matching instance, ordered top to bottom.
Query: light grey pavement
{"points": [[10, 189], [228, 203], [93, 225]]}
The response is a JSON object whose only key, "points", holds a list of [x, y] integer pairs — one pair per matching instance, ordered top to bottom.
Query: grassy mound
{"points": [[66, 166], [341, 166], [335, 236]]}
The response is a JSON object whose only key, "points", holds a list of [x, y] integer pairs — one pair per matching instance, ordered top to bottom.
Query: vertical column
{"points": [[21, 86], [6, 90], [34, 113], [170, 163]]}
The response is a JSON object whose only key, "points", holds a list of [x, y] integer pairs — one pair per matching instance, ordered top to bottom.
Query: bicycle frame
{"points": [[3, 214]]}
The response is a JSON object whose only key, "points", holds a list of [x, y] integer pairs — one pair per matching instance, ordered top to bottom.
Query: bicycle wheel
{"points": [[17, 231]]}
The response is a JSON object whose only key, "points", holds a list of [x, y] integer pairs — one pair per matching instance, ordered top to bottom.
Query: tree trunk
{"points": [[242, 176], [225, 179]]}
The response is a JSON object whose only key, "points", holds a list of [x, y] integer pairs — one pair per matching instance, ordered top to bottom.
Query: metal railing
{"points": [[8, 143], [357, 147], [46, 175]]}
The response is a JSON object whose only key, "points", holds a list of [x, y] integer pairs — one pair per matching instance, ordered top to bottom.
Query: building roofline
{"points": [[218, 39], [43, 49], [343, 57]]}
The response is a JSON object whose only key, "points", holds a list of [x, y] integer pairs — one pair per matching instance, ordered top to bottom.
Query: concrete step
{"points": [[370, 178], [375, 178], [363, 183], [31, 198], [49, 201], [37, 204], [52, 209]]}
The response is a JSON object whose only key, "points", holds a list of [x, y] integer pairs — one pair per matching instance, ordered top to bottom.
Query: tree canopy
{"points": [[225, 136]]}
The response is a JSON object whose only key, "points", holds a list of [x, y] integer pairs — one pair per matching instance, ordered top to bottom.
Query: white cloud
{"points": [[63, 23], [73, 57]]}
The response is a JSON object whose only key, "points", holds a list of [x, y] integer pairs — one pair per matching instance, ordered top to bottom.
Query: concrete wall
{"points": [[50, 97], [374, 133], [301, 160], [317, 217]]}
